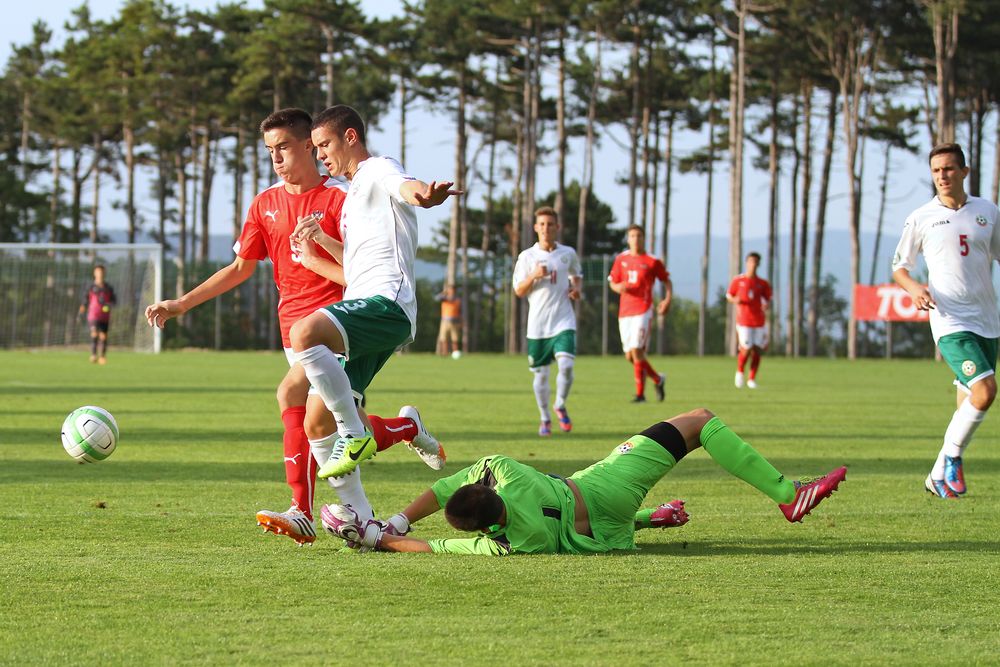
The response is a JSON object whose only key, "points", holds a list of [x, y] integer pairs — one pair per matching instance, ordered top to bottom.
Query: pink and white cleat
{"points": [[808, 495], [669, 515]]}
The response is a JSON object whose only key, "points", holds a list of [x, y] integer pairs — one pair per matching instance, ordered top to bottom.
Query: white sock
{"points": [[325, 373], [564, 379], [541, 387], [959, 434], [348, 487]]}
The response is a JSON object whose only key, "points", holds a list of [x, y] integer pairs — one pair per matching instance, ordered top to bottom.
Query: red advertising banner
{"points": [[886, 303]]}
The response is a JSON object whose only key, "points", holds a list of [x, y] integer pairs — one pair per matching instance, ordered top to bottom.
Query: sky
{"points": [[430, 150]]}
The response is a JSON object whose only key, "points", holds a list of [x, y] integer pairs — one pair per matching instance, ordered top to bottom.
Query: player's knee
{"points": [[292, 392], [983, 393]]}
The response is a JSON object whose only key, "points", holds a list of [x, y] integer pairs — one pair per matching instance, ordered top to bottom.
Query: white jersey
{"points": [[379, 229], [959, 247], [550, 310]]}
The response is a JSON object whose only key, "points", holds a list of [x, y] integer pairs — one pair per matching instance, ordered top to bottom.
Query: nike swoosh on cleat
{"points": [[354, 455]]}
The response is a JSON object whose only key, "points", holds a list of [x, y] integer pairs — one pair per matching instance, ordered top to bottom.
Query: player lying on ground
{"points": [[517, 509]]}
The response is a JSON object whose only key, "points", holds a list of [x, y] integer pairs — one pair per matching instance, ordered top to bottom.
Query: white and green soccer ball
{"points": [[90, 434]]}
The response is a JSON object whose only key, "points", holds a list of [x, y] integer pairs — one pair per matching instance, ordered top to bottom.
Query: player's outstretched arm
{"points": [[418, 193], [218, 283], [575, 288], [921, 296], [423, 506], [402, 544]]}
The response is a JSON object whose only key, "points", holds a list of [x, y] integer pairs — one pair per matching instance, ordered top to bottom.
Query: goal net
{"points": [[42, 286]]}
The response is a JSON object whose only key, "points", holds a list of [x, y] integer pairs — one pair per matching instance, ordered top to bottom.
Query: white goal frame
{"points": [[155, 249]]}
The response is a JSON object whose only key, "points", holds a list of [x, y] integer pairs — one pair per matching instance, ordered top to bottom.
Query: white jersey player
{"points": [[959, 237], [549, 275]]}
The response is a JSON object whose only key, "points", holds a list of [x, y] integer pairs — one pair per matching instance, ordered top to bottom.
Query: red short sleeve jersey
{"points": [[270, 221], [639, 273], [751, 295]]}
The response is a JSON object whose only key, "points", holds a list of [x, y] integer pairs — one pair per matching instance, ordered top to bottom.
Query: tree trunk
{"points": [[944, 20], [330, 46], [737, 93], [26, 116], [976, 118], [402, 120], [633, 129], [561, 131], [128, 137], [588, 152], [996, 161], [238, 172], [207, 175], [162, 181], [56, 187], [654, 189], [883, 190], [76, 196], [96, 200], [456, 202], [772, 217], [487, 221], [644, 221], [182, 237], [707, 249], [793, 258], [817, 258], [800, 298]]}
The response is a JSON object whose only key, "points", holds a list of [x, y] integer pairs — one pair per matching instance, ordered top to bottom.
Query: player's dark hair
{"points": [[340, 118], [296, 121], [942, 149], [547, 210], [637, 228], [755, 255], [99, 266], [473, 507]]}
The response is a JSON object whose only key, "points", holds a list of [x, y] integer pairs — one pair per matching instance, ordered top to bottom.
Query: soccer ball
{"points": [[456, 355], [90, 434]]}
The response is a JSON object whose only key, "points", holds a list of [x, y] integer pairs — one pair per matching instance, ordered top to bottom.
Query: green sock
{"points": [[741, 460], [642, 518]]}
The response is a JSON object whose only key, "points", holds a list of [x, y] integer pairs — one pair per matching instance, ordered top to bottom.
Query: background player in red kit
{"points": [[632, 276], [307, 278], [751, 295], [97, 303]]}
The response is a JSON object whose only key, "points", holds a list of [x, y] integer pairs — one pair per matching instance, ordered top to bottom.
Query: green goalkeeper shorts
{"points": [[615, 487]]}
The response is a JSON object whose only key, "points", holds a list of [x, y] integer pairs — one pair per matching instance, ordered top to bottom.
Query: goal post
{"points": [[42, 286]]}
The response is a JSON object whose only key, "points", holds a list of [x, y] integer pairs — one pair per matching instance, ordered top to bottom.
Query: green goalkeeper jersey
{"points": [[540, 511]]}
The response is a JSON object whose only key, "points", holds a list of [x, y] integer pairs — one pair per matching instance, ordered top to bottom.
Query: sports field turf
{"points": [[153, 557]]}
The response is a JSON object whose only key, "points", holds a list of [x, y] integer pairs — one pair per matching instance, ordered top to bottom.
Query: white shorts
{"points": [[635, 330], [752, 336], [290, 356]]}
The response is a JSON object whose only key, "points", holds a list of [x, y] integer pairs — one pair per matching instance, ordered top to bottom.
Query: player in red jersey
{"points": [[632, 276], [307, 278], [751, 294], [97, 302]]}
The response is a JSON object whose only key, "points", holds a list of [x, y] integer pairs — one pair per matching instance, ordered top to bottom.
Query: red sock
{"points": [[741, 360], [754, 363], [649, 370], [640, 378], [389, 431], [300, 467]]}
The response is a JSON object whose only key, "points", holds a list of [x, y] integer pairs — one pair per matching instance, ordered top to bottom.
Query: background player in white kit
{"points": [[959, 238], [549, 274]]}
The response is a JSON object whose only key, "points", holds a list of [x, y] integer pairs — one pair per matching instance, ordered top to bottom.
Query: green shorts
{"points": [[372, 328], [543, 351], [970, 356], [615, 487]]}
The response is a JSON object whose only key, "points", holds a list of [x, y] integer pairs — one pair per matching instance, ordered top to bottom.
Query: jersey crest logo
{"points": [[272, 214], [318, 214], [981, 220], [565, 260], [969, 368], [625, 447]]}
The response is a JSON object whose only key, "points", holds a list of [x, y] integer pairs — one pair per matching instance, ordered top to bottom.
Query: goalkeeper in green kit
{"points": [[516, 509]]}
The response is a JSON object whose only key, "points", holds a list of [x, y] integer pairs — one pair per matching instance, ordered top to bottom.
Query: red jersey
{"points": [[270, 221], [638, 272], [751, 295]]}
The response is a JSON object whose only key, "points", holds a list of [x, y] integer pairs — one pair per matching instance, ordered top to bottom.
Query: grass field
{"points": [[152, 557]]}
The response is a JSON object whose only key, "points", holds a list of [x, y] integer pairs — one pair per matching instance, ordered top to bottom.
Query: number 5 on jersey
{"points": [[963, 243]]}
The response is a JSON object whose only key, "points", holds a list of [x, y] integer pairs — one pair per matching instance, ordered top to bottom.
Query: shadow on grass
{"points": [[781, 548]]}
